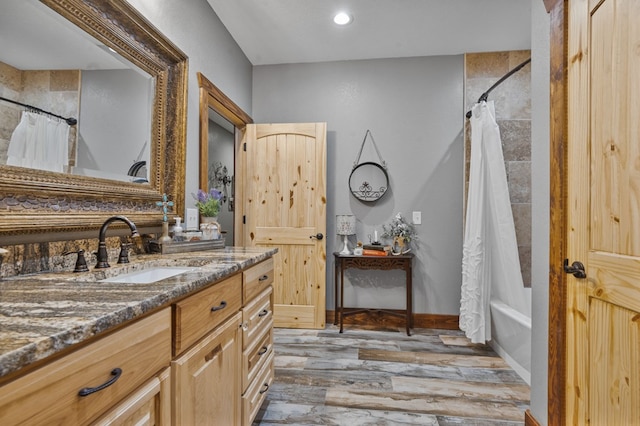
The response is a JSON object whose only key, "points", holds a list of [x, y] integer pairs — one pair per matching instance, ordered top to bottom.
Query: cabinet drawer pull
{"points": [[263, 278], [222, 305], [263, 313], [263, 350], [211, 355], [116, 373], [266, 388]]}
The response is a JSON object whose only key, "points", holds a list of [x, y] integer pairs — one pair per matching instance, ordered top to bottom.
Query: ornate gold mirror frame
{"points": [[214, 98], [38, 205]]}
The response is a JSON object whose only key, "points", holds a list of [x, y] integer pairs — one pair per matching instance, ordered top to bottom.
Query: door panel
{"points": [[285, 207], [603, 317]]}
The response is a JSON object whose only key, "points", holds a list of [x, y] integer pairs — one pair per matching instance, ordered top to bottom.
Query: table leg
{"points": [[409, 284], [335, 291], [341, 296]]}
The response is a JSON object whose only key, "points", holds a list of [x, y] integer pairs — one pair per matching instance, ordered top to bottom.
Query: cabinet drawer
{"points": [[256, 279], [197, 315], [256, 316], [255, 356], [257, 392], [51, 394]]}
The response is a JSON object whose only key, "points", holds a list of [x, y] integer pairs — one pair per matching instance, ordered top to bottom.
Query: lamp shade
{"points": [[345, 224]]}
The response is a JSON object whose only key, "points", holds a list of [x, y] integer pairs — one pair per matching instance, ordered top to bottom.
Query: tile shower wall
{"points": [[55, 91], [513, 114]]}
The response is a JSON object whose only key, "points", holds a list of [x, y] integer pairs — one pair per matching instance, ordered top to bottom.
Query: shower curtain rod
{"points": [[485, 95], [70, 121]]}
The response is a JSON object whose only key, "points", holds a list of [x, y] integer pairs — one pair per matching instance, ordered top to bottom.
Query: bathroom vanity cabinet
{"points": [[205, 358], [50, 394]]}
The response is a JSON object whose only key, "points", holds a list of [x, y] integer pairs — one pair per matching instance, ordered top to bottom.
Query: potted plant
{"points": [[208, 204], [401, 232]]}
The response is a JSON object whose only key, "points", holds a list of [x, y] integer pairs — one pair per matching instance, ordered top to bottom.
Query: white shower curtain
{"points": [[39, 142], [490, 251]]}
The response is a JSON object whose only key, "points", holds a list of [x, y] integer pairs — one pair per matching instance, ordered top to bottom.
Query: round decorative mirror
{"points": [[368, 181]]}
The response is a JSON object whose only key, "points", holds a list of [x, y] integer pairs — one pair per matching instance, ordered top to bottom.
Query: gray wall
{"points": [[195, 28], [414, 109], [540, 208]]}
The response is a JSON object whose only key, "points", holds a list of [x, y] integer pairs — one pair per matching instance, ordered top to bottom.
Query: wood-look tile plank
{"points": [[458, 341], [430, 358], [290, 362], [462, 389], [421, 403], [307, 414]]}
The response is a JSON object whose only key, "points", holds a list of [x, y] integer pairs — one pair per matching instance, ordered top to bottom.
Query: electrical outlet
{"points": [[417, 218], [191, 220]]}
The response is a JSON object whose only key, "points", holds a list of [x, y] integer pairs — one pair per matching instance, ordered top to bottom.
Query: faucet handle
{"points": [[124, 253], [81, 262]]}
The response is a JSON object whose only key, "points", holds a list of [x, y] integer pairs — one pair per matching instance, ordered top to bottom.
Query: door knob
{"points": [[318, 236], [576, 269]]}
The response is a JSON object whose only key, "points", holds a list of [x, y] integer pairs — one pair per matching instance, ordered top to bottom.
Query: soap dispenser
{"points": [[177, 230]]}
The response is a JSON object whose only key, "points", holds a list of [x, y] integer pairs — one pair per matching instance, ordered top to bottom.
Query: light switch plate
{"points": [[417, 218], [191, 220]]}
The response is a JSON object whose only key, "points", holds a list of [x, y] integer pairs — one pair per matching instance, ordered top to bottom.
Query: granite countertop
{"points": [[43, 314]]}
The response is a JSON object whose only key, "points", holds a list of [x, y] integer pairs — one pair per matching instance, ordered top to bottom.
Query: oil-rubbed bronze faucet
{"points": [[102, 255]]}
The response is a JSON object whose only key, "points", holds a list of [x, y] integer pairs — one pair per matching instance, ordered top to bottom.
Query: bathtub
{"points": [[511, 337]]}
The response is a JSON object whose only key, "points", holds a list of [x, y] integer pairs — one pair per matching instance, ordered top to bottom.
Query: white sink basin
{"points": [[148, 275]]}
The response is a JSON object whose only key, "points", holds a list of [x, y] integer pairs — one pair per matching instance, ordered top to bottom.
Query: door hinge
{"points": [[244, 219]]}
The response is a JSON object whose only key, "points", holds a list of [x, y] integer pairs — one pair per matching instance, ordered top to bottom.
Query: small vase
{"points": [[210, 228], [400, 245]]}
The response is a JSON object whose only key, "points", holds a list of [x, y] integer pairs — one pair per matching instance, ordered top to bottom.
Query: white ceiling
{"points": [[292, 31], [298, 31]]}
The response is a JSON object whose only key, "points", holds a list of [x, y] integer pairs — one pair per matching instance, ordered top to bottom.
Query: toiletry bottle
{"points": [[177, 230]]}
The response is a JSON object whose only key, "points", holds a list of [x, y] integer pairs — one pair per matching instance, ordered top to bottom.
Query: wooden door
{"points": [[285, 207], [603, 310]]}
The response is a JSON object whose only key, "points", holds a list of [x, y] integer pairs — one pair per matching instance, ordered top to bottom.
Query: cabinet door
{"points": [[206, 379], [148, 406]]}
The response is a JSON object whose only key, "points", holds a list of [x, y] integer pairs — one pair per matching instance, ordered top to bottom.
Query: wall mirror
{"points": [[71, 75], [221, 125], [42, 205]]}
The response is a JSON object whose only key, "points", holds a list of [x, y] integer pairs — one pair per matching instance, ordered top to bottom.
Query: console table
{"points": [[344, 262]]}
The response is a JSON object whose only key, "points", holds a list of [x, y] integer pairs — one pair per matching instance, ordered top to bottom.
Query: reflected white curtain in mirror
{"points": [[39, 142], [345, 226]]}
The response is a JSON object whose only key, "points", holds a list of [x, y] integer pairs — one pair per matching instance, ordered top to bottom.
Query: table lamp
{"points": [[345, 226]]}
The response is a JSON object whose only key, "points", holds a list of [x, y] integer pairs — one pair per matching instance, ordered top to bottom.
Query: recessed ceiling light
{"points": [[342, 18]]}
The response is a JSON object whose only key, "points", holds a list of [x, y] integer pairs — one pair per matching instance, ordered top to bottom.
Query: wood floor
{"points": [[367, 377]]}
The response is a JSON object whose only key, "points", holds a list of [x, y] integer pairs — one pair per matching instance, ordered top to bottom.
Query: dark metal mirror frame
{"points": [[38, 205]]}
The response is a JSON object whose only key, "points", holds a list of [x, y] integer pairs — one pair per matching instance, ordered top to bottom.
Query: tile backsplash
{"points": [[33, 258]]}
